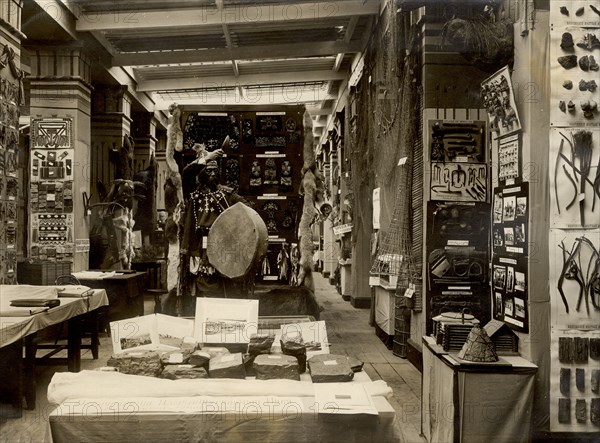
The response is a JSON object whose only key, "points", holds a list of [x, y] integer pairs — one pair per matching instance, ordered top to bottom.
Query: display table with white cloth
{"points": [[15, 326], [17, 329], [474, 402], [106, 406]]}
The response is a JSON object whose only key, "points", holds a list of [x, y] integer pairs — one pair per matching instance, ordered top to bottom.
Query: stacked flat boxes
{"points": [[42, 272]]}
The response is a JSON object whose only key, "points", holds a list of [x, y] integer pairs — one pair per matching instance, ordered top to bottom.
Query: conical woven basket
{"points": [[478, 347]]}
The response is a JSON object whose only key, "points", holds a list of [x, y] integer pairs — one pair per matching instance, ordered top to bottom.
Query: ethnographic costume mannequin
{"points": [[204, 200]]}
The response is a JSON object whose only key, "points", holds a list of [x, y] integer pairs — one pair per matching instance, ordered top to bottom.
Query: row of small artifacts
{"points": [[263, 131], [271, 172]]}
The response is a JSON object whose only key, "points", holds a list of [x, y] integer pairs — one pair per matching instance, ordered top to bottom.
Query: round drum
{"points": [[237, 240]]}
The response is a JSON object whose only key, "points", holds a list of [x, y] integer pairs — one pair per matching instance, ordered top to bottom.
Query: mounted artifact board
{"points": [[263, 164], [574, 237]]}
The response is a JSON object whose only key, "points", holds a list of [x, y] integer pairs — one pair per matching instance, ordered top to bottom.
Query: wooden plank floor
{"points": [[349, 333]]}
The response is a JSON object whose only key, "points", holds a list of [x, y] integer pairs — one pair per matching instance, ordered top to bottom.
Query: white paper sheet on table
{"points": [[94, 275], [74, 291], [14, 311], [98, 384], [343, 398]]}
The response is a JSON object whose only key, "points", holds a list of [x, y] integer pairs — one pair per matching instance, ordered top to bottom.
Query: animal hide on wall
{"points": [[174, 143], [123, 159], [312, 187], [173, 193], [111, 235]]}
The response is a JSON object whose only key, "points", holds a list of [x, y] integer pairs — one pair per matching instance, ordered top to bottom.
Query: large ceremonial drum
{"points": [[237, 240]]}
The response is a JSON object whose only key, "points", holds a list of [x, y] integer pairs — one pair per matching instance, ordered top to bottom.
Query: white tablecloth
{"points": [[14, 328], [210, 410]]}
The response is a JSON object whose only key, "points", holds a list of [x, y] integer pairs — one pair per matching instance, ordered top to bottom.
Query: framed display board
{"points": [[499, 101], [458, 159], [509, 159], [263, 164], [9, 183], [51, 189], [574, 193], [574, 238], [510, 245], [457, 258], [575, 331]]}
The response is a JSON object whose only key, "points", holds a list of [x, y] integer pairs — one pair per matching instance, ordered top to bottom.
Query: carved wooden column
{"points": [[60, 91], [111, 123], [145, 165]]}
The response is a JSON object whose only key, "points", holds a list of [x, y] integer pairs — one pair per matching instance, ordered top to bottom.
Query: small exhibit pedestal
{"points": [[346, 278], [384, 310], [474, 402]]}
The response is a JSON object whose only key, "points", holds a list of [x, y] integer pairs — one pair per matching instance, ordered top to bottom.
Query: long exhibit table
{"points": [[17, 332], [246, 417]]}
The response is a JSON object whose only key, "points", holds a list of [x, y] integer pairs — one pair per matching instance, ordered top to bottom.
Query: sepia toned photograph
{"points": [[521, 207], [508, 208], [299, 220], [509, 236], [499, 277], [510, 279], [519, 281], [498, 303], [509, 307], [519, 308], [225, 320], [134, 334]]}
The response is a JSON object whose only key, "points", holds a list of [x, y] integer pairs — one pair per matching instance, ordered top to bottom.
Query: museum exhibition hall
{"points": [[300, 221]]}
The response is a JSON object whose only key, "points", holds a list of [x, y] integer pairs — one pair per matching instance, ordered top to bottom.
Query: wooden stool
{"points": [[157, 293]]}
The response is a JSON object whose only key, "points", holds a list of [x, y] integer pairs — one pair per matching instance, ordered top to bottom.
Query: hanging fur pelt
{"points": [[174, 143], [122, 158], [312, 187], [173, 193]]}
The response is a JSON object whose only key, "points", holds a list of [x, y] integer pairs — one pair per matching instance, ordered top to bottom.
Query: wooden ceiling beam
{"points": [[61, 14], [250, 14], [105, 43], [238, 53], [243, 80], [250, 98], [319, 111]]}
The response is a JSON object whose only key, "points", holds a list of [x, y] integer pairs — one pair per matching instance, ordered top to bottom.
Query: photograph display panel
{"points": [[510, 264]]}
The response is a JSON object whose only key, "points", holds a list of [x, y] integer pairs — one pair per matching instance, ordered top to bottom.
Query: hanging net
{"points": [[394, 253]]}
